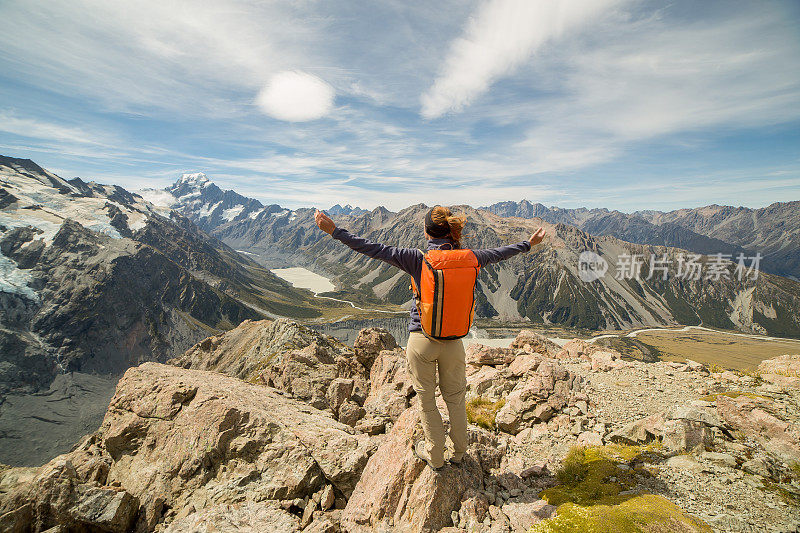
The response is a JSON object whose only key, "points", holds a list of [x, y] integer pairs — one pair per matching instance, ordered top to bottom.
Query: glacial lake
{"points": [[303, 278]]}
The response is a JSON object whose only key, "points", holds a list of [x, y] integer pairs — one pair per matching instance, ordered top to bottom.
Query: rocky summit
{"points": [[274, 427]]}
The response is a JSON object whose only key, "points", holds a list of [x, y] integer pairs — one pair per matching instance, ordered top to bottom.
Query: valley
{"points": [[97, 279]]}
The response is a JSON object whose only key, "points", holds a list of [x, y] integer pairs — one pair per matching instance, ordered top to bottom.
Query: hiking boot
{"points": [[423, 455], [456, 462]]}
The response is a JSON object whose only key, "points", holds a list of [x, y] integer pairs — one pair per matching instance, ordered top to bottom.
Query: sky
{"points": [[620, 104]]}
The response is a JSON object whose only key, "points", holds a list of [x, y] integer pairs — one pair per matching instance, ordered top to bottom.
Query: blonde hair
{"points": [[441, 215]]}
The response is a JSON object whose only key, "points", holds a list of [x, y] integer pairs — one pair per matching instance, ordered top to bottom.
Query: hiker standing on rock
{"points": [[443, 281]]}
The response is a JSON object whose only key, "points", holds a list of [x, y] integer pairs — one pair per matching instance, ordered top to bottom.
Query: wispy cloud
{"points": [[498, 38], [479, 101], [39, 129]]}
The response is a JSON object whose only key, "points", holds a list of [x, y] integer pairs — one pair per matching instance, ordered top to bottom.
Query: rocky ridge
{"points": [[184, 449]]}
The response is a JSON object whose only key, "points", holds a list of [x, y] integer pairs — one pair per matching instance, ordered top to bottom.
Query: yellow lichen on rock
{"points": [[482, 412], [591, 496], [647, 513]]}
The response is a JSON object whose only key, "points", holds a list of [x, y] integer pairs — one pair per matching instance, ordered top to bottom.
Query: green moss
{"points": [[733, 394], [482, 412], [591, 475], [590, 495], [642, 513]]}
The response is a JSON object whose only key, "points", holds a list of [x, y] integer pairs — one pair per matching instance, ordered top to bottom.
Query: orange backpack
{"points": [[446, 299]]}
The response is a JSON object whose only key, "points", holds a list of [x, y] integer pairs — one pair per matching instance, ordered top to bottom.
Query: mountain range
{"points": [[772, 231], [96, 279], [543, 286]]}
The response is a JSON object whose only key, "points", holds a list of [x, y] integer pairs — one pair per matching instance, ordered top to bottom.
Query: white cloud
{"points": [[498, 38], [653, 78], [296, 97], [39, 129]]}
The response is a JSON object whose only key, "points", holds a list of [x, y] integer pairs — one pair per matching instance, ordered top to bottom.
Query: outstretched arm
{"points": [[495, 255], [406, 259]]}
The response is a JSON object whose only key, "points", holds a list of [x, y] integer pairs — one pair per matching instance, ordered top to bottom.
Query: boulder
{"points": [[530, 341], [370, 342], [576, 349], [478, 354], [287, 356], [605, 360], [524, 363], [694, 366], [783, 371], [488, 381], [391, 389], [339, 391], [536, 397], [350, 413], [695, 413], [762, 419], [688, 427], [680, 428], [640, 431], [685, 435], [180, 439], [722, 459], [758, 467], [397, 488], [58, 496], [473, 511], [523, 515], [247, 517]]}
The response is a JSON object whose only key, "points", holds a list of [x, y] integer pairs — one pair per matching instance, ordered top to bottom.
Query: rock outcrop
{"points": [[283, 354], [600, 359], [783, 370], [533, 386], [391, 389], [177, 441], [185, 450], [398, 490]]}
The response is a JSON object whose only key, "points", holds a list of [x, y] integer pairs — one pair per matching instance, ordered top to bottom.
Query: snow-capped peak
{"points": [[197, 179]]}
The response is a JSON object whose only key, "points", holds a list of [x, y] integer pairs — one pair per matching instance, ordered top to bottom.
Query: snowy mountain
{"points": [[196, 196], [347, 210], [93, 279]]}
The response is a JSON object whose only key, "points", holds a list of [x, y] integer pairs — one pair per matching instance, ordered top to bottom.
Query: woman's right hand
{"points": [[324, 222], [537, 237]]}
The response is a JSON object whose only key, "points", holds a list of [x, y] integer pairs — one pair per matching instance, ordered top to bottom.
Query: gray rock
{"points": [[723, 459], [758, 467], [327, 498], [249, 517]]}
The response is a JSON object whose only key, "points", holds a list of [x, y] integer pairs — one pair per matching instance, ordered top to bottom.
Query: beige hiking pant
{"points": [[424, 356]]}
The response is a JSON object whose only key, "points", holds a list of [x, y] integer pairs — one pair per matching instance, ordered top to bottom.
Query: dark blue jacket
{"points": [[409, 260]]}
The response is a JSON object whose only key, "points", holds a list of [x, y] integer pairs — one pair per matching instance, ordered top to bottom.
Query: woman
{"points": [[425, 354]]}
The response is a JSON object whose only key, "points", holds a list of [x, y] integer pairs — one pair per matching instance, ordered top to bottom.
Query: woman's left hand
{"points": [[324, 222], [537, 237]]}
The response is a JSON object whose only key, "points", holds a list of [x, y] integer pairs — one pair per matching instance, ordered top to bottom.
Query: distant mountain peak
{"points": [[197, 179]]}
